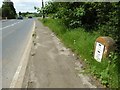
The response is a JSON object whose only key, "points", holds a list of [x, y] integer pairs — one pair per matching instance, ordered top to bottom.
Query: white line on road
{"points": [[10, 25], [20, 72]]}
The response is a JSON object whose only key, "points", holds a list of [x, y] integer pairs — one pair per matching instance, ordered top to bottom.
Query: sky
{"points": [[26, 5]]}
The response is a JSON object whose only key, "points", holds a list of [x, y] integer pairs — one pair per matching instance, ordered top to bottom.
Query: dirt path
{"points": [[52, 65]]}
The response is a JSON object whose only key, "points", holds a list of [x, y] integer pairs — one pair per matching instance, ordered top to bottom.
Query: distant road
{"points": [[15, 34]]}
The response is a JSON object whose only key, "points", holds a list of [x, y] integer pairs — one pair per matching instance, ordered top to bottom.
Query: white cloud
{"points": [[19, 1], [0, 3], [26, 5]]}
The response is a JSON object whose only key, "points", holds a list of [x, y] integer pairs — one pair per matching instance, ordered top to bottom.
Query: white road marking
{"points": [[11, 20], [10, 25], [20, 72]]}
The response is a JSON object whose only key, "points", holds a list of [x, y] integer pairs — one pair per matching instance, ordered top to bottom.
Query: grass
{"points": [[82, 43]]}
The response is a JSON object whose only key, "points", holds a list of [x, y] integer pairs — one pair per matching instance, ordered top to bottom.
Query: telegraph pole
{"points": [[43, 9]]}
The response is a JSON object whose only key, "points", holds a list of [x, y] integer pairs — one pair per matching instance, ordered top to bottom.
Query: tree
{"points": [[8, 9], [39, 11], [0, 13], [20, 13], [93, 16]]}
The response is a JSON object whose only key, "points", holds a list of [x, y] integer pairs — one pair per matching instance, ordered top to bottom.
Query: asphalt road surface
{"points": [[15, 35]]}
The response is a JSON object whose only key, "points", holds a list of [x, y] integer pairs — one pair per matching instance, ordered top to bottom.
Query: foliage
{"points": [[8, 10], [39, 12], [0, 13], [20, 13], [27, 14], [100, 16], [83, 22], [82, 43]]}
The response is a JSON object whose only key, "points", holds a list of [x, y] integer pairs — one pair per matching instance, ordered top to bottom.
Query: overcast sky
{"points": [[26, 5]]}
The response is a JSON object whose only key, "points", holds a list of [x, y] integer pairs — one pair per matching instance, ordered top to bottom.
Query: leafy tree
{"points": [[8, 9], [39, 11], [0, 13], [20, 13], [100, 17]]}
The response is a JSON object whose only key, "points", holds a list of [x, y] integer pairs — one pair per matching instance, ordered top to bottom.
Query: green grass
{"points": [[82, 43]]}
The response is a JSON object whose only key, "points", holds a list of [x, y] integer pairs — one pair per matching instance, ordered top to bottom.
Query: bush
{"points": [[78, 24], [82, 43]]}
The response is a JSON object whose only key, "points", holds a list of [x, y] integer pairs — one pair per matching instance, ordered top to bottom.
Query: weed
{"points": [[82, 43]]}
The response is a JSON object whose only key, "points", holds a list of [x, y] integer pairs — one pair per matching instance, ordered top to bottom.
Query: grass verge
{"points": [[82, 43]]}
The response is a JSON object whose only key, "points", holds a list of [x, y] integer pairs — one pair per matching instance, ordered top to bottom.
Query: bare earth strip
{"points": [[51, 65]]}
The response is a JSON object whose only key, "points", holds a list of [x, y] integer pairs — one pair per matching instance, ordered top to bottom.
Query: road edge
{"points": [[20, 72]]}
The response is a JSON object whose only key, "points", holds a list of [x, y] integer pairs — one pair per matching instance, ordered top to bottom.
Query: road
{"points": [[15, 35]]}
